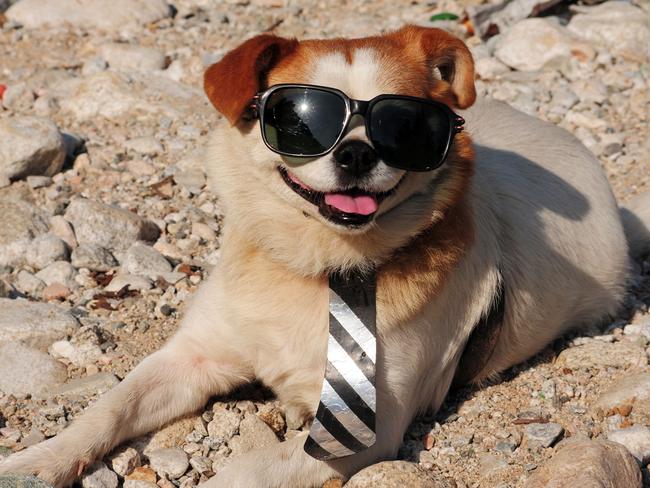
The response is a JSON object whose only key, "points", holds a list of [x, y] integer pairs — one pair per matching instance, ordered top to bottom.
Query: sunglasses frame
{"points": [[355, 107]]}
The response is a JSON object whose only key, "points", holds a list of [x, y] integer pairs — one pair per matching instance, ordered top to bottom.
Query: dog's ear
{"points": [[449, 56], [232, 82]]}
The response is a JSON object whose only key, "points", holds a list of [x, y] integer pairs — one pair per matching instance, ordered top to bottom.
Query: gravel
{"points": [[122, 88]]}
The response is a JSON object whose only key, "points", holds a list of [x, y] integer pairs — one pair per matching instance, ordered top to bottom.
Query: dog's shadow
{"points": [[560, 197]]}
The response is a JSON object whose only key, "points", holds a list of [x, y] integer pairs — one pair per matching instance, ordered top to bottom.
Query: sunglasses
{"points": [[408, 133]]}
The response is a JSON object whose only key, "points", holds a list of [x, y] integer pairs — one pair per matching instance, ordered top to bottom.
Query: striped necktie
{"points": [[345, 419]]}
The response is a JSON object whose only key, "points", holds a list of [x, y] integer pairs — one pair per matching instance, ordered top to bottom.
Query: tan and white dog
{"points": [[519, 206]]}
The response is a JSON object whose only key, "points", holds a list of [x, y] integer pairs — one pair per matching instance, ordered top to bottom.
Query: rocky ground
{"points": [[106, 228]]}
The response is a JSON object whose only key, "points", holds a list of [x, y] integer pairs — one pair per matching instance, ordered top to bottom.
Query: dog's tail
{"points": [[636, 222]]}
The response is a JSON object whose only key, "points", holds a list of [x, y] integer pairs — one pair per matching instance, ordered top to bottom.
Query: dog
{"points": [[480, 261]]}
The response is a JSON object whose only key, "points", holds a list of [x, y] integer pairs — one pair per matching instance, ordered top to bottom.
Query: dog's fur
{"points": [[521, 205]]}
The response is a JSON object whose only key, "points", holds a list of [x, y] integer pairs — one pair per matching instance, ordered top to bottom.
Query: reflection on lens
{"points": [[303, 121], [409, 134]]}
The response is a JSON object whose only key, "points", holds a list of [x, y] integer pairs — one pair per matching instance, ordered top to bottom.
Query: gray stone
{"points": [[116, 15], [620, 26], [532, 44], [128, 57], [111, 94], [18, 97], [147, 145], [30, 146], [192, 179], [36, 182], [20, 222], [106, 226], [62, 228], [45, 250], [93, 257], [143, 260], [58, 272], [134, 282], [29, 284], [35, 324], [642, 329], [79, 354], [595, 354], [26, 370], [95, 384], [224, 424], [254, 433], [543, 435], [636, 439], [507, 446], [124, 460], [170, 462], [587, 463], [201, 464], [397, 474], [99, 476], [22, 481]]}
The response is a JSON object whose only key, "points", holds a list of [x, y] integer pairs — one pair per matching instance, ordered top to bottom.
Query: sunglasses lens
{"points": [[303, 121], [409, 134]]}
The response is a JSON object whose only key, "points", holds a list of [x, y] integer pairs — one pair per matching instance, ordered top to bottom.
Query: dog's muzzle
{"points": [[345, 419]]}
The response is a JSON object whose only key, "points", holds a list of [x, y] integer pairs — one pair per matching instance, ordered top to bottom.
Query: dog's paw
{"points": [[296, 416], [47, 461]]}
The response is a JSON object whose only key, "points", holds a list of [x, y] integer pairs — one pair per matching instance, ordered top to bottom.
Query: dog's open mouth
{"points": [[351, 208]]}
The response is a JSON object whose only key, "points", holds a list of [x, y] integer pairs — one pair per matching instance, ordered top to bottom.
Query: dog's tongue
{"points": [[360, 204]]}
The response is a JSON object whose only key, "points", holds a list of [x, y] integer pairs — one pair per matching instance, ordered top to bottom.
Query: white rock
{"points": [[115, 15], [618, 25], [532, 44], [128, 57], [490, 68], [112, 94], [18, 97], [30, 146], [147, 146], [192, 179], [39, 181], [106, 226], [62, 228], [46, 249], [93, 257], [143, 260], [58, 272], [133, 282], [29, 284], [35, 324], [642, 329], [77, 354], [27, 370], [95, 384], [224, 424], [254, 433], [636, 439], [124, 460], [170, 462], [99, 476]]}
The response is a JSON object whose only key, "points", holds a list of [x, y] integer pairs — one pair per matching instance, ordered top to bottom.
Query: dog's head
{"points": [[317, 198]]}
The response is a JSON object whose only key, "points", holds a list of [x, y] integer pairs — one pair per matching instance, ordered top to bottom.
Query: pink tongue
{"points": [[362, 204]]}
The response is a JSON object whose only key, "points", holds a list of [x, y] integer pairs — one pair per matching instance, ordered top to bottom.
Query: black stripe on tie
{"points": [[359, 294], [352, 348], [350, 396], [337, 429], [315, 450]]}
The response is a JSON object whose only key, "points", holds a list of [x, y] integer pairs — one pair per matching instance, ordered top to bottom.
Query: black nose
{"points": [[355, 157]]}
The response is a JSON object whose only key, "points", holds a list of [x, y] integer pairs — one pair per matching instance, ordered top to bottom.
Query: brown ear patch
{"points": [[449, 55], [231, 83]]}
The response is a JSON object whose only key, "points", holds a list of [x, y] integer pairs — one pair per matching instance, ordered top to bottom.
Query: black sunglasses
{"points": [[408, 133]]}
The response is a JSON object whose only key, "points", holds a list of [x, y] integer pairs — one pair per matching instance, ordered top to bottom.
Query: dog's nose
{"points": [[355, 157]]}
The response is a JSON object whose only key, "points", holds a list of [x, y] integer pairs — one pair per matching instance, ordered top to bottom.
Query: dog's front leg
{"points": [[172, 382]]}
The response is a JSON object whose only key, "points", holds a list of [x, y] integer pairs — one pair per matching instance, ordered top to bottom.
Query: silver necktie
{"points": [[345, 419]]}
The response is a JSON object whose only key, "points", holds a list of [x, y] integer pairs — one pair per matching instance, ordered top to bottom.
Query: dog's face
{"points": [[351, 178]]}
